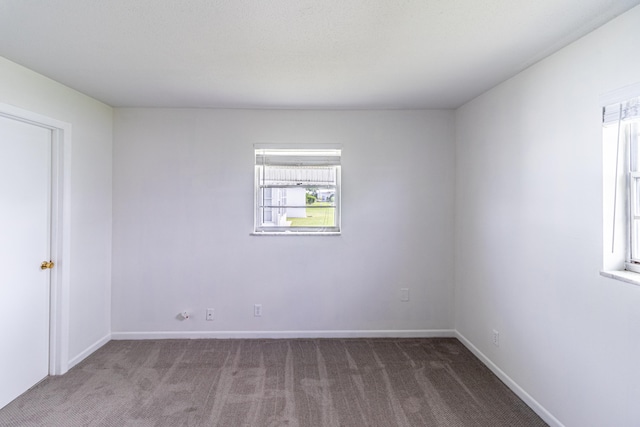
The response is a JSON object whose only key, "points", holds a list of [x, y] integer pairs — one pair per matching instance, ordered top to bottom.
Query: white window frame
{"points": [[296, 155], [622, 227], [632, 262]]}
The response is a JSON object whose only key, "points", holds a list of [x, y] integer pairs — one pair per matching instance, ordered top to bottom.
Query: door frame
{"points": [[60, 231]]}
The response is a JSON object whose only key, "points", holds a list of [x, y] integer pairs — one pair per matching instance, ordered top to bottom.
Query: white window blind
{"points": [[628, 110]]}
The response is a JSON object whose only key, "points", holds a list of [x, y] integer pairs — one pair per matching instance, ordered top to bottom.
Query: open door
{"points": [[25, 243]]}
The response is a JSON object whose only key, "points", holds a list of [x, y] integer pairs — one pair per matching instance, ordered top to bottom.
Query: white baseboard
{"points": [[414, 333], [89, 350], [519, 391]]}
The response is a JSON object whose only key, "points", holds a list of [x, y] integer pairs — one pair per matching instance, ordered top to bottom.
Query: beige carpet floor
{"points": [[291, 382]]}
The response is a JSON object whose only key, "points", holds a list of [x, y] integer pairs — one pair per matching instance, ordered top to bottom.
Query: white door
{"points": [[25, 207]]}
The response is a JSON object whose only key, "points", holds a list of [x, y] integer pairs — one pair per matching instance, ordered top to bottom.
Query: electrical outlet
{"points": [[404, 294], [257, 310], [210, 312], [496, 338]]}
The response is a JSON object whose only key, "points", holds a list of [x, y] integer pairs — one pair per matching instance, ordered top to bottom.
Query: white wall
{"points": [[91, 121], [183, 212], [528, 225], [529, 233]]}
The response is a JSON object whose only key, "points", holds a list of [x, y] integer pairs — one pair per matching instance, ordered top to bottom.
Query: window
{"points": [[621, 134], [297, 190], [634, 199]]}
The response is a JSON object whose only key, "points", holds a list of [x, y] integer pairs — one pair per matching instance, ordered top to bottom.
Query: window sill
{"points": [[297, 233], [623, 276]]}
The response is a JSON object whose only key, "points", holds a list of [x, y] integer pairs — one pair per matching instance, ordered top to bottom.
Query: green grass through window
{"points": [[317, 216]]}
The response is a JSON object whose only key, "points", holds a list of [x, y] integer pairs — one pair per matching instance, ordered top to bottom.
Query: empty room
{"points": [[320, 213]]}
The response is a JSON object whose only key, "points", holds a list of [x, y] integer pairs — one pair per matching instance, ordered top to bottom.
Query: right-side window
{"points": [[622, 130], [631, 136]]}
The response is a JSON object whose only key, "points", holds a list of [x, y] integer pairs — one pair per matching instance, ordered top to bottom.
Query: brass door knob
{"points": [[46, 264]]}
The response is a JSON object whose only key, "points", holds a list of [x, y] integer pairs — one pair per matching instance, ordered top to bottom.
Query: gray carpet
{"points": [[302, 382]]}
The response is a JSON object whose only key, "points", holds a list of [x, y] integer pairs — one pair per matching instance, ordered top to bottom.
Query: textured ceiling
{"points": [[291, 53]]}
